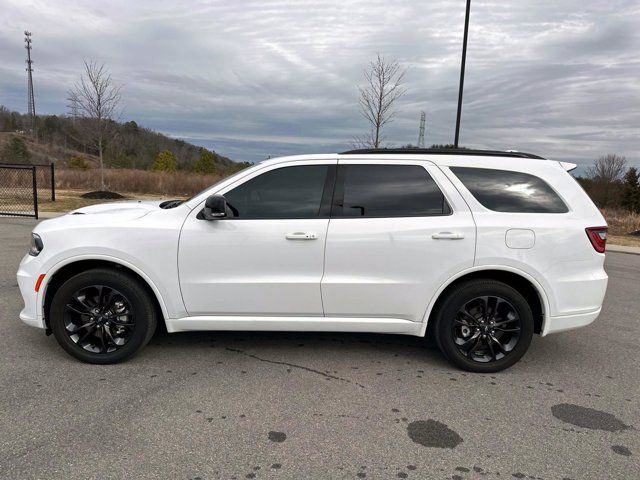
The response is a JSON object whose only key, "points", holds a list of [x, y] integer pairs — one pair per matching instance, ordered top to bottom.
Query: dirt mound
{"points": [[102, 195]]}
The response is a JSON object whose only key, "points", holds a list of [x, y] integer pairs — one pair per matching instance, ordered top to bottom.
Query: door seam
{"points": [[326, 236]]}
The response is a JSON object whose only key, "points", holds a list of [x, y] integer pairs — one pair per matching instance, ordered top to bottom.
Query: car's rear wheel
{"points": [[102, 316], [484, 326]]}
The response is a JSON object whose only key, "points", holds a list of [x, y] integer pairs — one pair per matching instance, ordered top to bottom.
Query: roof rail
{"points": [[443, 151]]}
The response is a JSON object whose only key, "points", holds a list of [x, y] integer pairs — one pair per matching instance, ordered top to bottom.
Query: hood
{"points": [[128, 209], [106, 215]]}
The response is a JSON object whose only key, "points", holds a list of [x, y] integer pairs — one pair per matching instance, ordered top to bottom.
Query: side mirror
{"points": [[215, 208]]}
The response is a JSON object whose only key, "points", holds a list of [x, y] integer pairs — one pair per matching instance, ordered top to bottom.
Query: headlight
{"points": [[36, 245]]}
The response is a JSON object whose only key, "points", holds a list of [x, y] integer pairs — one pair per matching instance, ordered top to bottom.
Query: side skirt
{"points": [[295, 324]]}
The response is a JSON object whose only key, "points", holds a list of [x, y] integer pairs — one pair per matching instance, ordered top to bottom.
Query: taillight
{"points": [[598, 237]]}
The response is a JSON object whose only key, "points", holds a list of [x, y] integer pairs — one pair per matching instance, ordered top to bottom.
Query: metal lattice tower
{"points": [[31, 102], [423, 118]]}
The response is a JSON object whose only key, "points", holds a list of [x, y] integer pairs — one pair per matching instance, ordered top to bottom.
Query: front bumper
{"points": [[27, 276]]}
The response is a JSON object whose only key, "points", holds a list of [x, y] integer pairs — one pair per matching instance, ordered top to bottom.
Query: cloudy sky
{"points": [[254, 78]]}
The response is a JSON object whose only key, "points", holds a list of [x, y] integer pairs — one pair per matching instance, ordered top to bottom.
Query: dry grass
{"points": [[181, 184], [621, 222]]}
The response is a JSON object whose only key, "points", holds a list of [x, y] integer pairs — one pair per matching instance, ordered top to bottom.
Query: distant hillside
{"points": [[130, 146]]}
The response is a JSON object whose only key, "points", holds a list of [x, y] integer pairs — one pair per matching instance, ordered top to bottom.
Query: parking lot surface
{"points": [[314, 406]]}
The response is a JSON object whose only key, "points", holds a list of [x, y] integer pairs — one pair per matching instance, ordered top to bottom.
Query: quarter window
{"points": [[387, 191], [508, 191], [289, 192]]}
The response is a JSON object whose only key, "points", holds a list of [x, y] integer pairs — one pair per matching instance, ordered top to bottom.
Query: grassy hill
{"points": [[60, 138], [41, 153], [129, 157]]}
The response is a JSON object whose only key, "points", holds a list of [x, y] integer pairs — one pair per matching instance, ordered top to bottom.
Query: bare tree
{"points": [[377, 98], [95, 99], [608, 168], [606, 179]]}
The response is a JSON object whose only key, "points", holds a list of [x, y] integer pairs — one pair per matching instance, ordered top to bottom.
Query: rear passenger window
{"points": [[387, 191], [507, 191]]}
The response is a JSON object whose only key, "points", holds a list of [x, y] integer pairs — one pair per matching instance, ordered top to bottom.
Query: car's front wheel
{"points": [[102, 316], [484, 326]]}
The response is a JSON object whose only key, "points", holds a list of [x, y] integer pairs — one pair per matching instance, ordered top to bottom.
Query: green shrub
{"points": [[165, 162], [205, 164]]}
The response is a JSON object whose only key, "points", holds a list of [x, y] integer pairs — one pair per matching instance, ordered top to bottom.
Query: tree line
{"points": [[611, 184]]}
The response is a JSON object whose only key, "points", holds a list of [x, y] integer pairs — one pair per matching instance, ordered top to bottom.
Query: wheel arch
{"points": [[67, 269], [521, 281]]}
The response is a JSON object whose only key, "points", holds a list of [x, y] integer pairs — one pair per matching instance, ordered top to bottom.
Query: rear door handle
{"points": [[301, 236], [447, 236]]}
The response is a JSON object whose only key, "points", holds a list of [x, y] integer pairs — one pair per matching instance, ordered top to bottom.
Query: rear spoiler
{"points": [[568, 166]]}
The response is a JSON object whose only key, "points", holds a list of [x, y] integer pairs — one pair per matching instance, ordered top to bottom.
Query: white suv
{"points": [[479, 249]]}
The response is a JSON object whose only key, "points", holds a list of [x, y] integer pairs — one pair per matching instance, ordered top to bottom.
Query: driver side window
{"points": [[288, 192]]}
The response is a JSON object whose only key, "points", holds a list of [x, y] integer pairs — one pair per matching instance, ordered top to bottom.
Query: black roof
{"points": [[442, 151]]}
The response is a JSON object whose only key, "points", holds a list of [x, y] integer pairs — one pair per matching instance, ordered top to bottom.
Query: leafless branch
{"points": [[383, 86], [95, 99], [364, 141], [608, 168]]}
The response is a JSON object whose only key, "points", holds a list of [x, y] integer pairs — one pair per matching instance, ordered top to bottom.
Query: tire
{"points": [[125, 324], [465, 334]]}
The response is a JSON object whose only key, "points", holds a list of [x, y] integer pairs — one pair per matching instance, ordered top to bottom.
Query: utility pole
{"points": [[464, 58], [31, 102], [423, 118]]}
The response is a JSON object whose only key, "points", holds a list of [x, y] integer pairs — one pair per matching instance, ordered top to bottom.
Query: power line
{"points": [[31, 102]]}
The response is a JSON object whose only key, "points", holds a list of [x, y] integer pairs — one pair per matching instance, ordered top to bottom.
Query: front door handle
{"points": [[301, 236], [447, 236]]}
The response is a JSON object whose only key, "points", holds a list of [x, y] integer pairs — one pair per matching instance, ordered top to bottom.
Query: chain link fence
{"points": [[45, 179], [18, 191]]}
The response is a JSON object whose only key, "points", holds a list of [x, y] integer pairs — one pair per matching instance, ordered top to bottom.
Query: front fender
{"points": [[166, 306]]}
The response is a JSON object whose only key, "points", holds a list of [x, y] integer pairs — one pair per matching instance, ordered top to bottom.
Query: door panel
{"points": [[266, 258], [244, 267], [391, 267]]}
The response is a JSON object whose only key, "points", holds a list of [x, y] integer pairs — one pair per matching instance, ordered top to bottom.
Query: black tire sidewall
{"points": [[466, 292], [138, 297]]}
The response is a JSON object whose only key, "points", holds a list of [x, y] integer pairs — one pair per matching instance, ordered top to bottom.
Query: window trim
{"points": [[338, 196]]}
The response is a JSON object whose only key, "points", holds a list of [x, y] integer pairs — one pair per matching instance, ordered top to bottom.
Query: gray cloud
{"points": [[258, 78]]}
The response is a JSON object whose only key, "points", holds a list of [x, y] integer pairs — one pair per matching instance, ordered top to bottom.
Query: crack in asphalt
{"points": [[293, 365]]}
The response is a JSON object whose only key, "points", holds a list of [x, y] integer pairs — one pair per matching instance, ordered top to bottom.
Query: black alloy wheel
{"points": [[102, 315], [99, 319], [483, 325], [486, 329]]}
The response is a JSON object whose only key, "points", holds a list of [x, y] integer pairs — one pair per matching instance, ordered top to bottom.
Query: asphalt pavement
{"points": [[237, 405]]}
